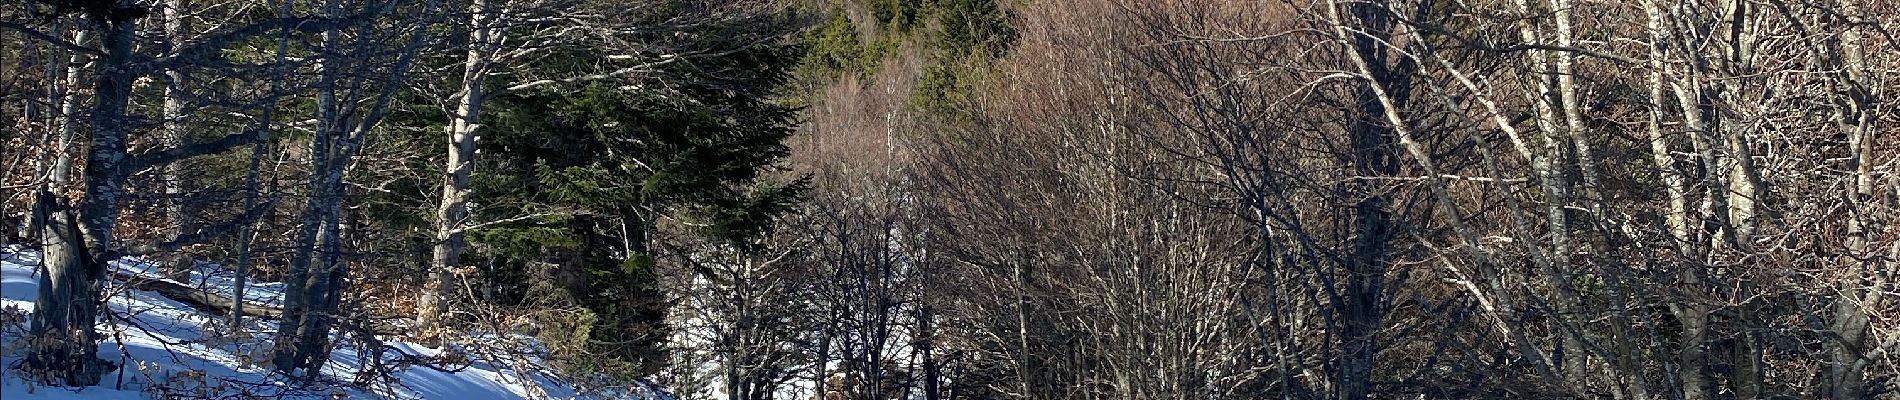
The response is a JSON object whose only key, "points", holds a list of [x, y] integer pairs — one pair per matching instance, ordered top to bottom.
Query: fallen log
{"points": [[194, 297]]}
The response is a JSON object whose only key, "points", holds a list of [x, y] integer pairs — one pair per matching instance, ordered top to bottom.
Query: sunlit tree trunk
{"points": [[173, 119], [452, 213], [1867, 272], [64, 323], [62, 348]]}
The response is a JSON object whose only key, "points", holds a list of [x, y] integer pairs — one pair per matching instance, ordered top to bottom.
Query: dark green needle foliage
{"points": [[617, 159]]}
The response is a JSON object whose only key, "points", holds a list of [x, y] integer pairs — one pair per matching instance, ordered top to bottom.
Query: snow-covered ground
{"points": [[170, 349]]}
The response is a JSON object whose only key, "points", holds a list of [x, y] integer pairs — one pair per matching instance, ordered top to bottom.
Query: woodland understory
{"points": [[990, 199]]}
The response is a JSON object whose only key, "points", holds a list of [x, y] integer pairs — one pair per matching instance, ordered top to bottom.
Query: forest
{"points": [[950, 199]]}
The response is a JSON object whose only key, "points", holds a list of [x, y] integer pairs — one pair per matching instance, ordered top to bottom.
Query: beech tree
{"points": [[363, 65]]}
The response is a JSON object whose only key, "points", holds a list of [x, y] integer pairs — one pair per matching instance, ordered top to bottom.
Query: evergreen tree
{"points": [[615, 160]]}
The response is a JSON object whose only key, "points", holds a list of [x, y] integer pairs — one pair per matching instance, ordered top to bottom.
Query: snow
{"points": [[168, 347]]}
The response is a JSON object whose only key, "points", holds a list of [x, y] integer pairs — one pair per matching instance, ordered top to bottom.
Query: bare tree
{"points": [[363, 66]]}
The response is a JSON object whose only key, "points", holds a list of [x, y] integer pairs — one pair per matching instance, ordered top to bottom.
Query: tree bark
{"points": [[1382, 93], [64, 121], [452, 214], [248, 233], [179, 264], [318, 270], [195, 297], [67, 299], [62, 348], [1847, 353], [286, 356]]}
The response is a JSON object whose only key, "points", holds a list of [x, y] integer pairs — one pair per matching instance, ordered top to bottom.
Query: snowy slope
{"points": [[170, 352]]}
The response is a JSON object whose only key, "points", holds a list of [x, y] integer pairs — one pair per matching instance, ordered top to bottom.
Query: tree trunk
{"points": [[1384, 91], [68, 117], [65, 121], [105, 181], [452, 214], [248, 233], [179, 265], [317, 271], [325, 290], [68, 293], [303, 295], [196, 297], [309, 298], [926, 347], [62, 348], [289, 352], [285, 353], [1847, 353], [1692, 355], [1845, 375], [1749, 381]]}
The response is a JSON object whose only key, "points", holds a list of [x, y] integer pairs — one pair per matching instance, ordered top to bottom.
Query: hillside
{"points": [[178, 351]]}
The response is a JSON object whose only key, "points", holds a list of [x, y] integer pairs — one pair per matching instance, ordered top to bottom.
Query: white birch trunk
{"points": [[178, 267]]}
